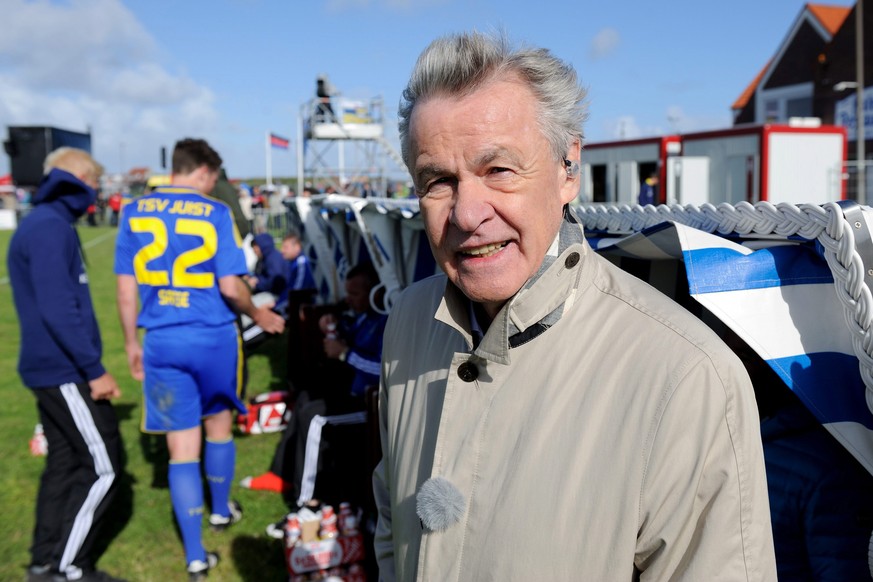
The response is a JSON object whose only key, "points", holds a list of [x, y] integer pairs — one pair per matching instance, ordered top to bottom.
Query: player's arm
{"points": [[126, 291], [238, 295]]}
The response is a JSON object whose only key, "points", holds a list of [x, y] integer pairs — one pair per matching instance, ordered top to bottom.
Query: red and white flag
{"points": [[279, 142]]}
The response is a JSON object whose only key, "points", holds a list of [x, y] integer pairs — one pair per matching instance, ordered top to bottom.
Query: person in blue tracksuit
{"points": [[178, 250], [271, 273], [300, 275], [353, 350], [60, 361]]}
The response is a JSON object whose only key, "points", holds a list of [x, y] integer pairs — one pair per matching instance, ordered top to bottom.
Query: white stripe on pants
{"points": [[102, 466]]}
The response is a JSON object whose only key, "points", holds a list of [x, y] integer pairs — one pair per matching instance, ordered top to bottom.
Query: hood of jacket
{"points": [[65, 192], [265, 242]]}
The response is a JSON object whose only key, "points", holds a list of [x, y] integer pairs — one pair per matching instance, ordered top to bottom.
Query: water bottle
{"points": [[38, 442]]}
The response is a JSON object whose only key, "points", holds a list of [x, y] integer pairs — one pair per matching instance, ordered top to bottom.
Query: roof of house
{"points": [[830, 17], [743, 99]]}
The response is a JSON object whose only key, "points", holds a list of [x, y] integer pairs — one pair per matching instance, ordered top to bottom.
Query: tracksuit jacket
{"points": [[271, 270], [60, 340]]}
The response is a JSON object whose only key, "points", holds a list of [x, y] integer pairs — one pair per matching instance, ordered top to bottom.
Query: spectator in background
{"points": [[324, 90], [649, 190], [227, 193], [244, 194], [258, 200], [114, 203], [92, 214], [299, 268], [271, 272], [353, 347], [60, 361]]}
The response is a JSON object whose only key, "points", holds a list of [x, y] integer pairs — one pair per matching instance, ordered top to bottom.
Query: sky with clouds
{"points": [[143, 74]]}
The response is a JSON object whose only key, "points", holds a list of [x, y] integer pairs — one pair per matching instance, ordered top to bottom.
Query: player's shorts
{"points": [[190, 373]]}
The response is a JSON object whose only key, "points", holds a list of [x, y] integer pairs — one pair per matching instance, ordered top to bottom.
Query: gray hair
{"points": [[457, 65]]}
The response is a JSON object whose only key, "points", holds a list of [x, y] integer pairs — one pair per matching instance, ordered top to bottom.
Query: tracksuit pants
{"points": [[80, 475]]}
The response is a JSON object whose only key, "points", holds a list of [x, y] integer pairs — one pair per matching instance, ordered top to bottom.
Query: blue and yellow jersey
{"points": [[178, 243]]}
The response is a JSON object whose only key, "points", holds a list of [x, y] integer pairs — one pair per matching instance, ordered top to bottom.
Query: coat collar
{"points": [[538, 305]]}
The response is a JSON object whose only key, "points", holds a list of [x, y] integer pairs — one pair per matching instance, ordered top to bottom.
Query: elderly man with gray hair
{"points": [[544, 415]]}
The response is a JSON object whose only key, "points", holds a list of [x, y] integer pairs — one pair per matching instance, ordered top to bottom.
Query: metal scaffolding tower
{"points": [[343, 145]]}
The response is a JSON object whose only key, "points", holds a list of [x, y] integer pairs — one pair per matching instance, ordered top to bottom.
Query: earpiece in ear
{"points": [[571, 167]]}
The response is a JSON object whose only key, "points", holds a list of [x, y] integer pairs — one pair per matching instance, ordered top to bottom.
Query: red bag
{"points": [[268, 412]]}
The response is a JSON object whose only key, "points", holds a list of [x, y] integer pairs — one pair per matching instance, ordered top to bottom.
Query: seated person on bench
{"points": [[299, 269], [271, 271], [353, 346]]}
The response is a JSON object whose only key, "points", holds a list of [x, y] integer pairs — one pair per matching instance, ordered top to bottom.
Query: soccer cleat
{"points": [[269, 481], [220, 523], [277, 530], [199, 570]]}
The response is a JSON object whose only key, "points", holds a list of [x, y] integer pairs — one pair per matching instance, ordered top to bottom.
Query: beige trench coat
{"points": [[621, 444]]}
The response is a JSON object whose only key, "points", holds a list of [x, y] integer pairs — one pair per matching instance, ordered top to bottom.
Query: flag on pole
{"points": [[279, 142]]}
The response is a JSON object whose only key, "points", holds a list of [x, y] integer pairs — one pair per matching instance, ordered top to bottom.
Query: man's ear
{"points": [[570, 188]]}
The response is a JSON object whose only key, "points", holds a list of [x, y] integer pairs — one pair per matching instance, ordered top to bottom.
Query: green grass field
{"points": [[142, 541]]}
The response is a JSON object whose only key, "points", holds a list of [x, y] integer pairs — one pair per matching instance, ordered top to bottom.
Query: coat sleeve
{"points": [[704, 512], [384, 540]]}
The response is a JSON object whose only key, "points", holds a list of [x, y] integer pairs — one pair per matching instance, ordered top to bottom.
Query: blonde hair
{"points": [[75, 161]]}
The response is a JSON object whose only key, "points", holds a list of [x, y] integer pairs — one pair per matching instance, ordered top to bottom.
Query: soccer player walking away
{"points": [[179, 250]]}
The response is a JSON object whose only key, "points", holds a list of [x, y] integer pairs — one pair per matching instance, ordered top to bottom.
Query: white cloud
{"points": [[604, 43], [70, 46], [90, 64], [675, 120], [680, 122], [627, 127]]}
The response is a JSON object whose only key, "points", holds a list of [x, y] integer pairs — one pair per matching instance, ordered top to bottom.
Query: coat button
{"points": [[572, 260], [468, 372]]}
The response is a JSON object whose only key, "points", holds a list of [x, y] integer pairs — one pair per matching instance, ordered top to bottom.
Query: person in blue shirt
{"points": [[649, 190], [179, 252], [299, 268], [271, 273], [353, 350], [60, 361]]}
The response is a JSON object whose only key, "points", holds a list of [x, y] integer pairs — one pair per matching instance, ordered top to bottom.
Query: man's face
{"points": [[491, 193], [290, 249], [257, 250], [358, 294]]}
